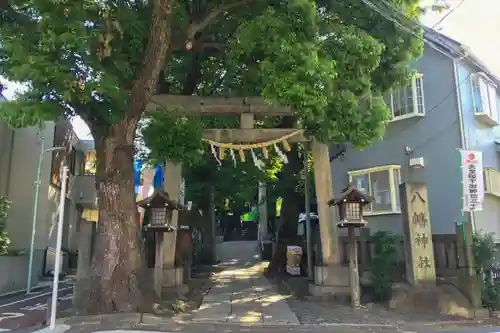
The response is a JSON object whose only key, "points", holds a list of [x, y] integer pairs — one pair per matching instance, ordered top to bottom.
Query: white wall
{"points": [[21, 188], [488, 220]]}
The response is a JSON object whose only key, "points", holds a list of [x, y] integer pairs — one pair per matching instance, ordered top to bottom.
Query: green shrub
{"points": [[4, 238], [386, 246], [483, 251]]}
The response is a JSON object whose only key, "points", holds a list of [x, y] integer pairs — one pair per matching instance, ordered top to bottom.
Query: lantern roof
{"points": [[351, 194], [159, 199]]}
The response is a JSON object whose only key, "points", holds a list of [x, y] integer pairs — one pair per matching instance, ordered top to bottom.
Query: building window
{"points": [[484, 96], [407, 101], [90, 163], [382, 184], [91, 215]]}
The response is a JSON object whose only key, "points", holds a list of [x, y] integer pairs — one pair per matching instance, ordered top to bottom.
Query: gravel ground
{"points": [[312, 311]]}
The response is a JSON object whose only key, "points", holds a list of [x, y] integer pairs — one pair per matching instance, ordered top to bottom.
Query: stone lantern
{"points": [[350, 205], [158, 210]]}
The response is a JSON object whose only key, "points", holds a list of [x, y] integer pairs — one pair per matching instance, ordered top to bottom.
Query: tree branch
{"points": [[211, 16], [154, 58]]}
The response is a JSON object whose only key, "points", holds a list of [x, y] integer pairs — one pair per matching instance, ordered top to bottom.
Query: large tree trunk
{"points": [[119, 278]]}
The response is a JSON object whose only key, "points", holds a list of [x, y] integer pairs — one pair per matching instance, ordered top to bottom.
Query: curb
{"points": [[459, 323], [239, 324], [284, 324], [60, 328]]}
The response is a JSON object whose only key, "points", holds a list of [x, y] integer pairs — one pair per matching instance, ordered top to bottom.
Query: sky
{"points": [[471, 22]]}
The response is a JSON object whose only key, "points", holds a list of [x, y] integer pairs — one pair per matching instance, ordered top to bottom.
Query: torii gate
{"points": [[248, 109]]}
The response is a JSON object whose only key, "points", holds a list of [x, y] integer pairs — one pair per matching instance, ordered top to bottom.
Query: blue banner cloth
{"points": [[137, 175], [158, 178]]}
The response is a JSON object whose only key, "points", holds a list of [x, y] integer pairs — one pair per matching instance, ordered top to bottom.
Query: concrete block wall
{"points": [[14, 273]]}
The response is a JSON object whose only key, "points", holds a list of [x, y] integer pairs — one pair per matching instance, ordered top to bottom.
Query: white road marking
{"points": [[32, 297], [67, 297], [37, 306], [10, 315], [5, 329], [129, 331]]}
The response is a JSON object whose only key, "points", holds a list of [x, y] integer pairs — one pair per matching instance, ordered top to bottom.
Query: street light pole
{"points": [[307, 198], [35, 210], [57, 268]]}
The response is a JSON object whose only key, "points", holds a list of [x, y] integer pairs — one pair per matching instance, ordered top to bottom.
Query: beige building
{"points": [[20, 151]]}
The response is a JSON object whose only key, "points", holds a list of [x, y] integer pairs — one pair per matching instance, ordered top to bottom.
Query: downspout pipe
{"points": [[463, 138], [463, 141]]}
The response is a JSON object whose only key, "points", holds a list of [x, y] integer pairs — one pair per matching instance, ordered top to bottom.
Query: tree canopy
{"points": [[329, 60], [331, 67]]}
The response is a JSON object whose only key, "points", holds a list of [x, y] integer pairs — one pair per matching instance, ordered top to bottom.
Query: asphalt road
{"points": [[23, 311]]}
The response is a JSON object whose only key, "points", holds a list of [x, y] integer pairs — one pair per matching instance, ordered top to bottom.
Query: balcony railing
{"points": [[492, 182]]}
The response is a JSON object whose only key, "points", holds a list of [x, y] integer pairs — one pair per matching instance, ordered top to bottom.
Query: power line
{"points": [[448, 14], [388, 17], [404, 27], [412, 32], [436, 106], [444, 129]]}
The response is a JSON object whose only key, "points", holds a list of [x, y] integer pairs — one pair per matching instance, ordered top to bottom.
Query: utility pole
{"points": [[35, 210]]}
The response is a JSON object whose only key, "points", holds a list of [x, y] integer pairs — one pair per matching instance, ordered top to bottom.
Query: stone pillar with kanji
{"points": [[419, 253]]}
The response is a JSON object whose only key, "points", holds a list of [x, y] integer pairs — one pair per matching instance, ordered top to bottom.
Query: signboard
{"points": [[472, 180]]}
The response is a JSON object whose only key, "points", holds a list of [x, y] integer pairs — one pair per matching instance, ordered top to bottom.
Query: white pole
{"points": [[57, 268]]}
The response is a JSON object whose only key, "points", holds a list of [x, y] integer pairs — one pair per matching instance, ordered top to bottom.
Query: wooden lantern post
{"points": [[350, 205], [158, 209]]}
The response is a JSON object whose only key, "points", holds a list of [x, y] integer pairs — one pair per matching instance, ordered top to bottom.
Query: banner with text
{"points": [[472, 180]]}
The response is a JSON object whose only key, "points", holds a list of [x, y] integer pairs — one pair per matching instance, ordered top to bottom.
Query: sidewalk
{"points": [[241, 294], [144, 323]]}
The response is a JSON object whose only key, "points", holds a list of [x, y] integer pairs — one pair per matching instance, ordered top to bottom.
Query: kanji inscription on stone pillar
{"points": [[419, 253]]}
